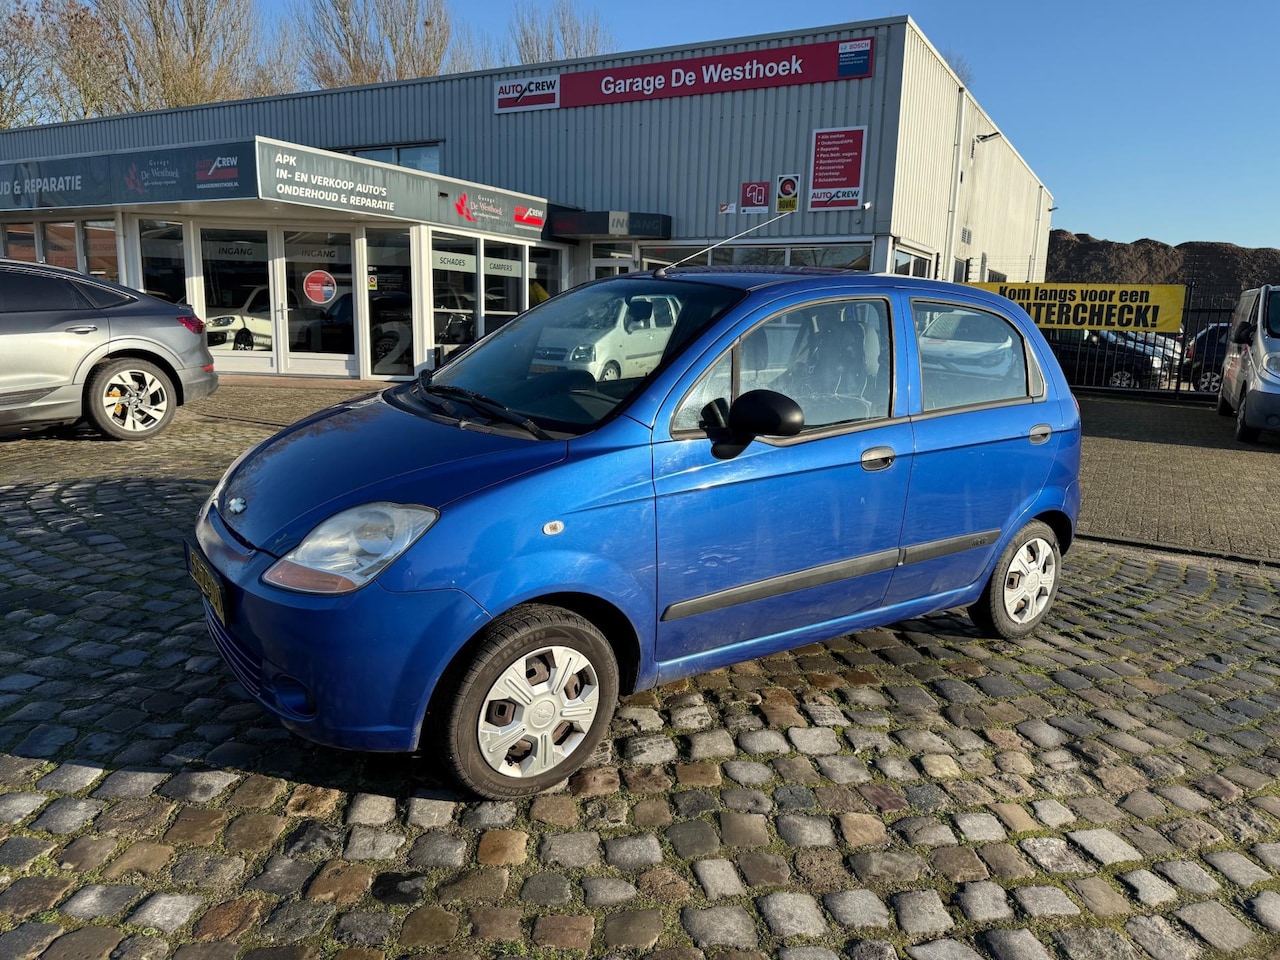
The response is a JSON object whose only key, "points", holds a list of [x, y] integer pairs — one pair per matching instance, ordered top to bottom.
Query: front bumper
{"points": [[355, 671]]}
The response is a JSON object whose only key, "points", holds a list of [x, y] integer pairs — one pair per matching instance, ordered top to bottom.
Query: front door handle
{"points": [[83, 328], [1040, 433], [877, 458]]}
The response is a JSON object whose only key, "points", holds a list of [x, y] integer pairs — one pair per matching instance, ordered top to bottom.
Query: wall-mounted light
{"points": [[982, 138]]}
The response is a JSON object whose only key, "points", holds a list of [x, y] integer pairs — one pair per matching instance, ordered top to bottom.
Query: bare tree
{"points": [[540, 33], [350, 42], [471, 50], [117, 56], [959, 66], [20, 70]]}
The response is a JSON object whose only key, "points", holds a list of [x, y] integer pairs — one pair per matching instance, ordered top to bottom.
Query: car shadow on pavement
{"points": [[1155, 421]]}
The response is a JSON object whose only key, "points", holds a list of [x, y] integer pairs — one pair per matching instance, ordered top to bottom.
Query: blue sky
{"points": [[1144, 119]]}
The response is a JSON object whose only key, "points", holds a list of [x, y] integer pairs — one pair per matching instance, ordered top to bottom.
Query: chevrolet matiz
{"points": [[480, 561]]}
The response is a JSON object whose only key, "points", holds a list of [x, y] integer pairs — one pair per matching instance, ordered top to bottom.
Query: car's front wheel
{"points": [[243, 340], [611, 371], [1122, 378], [1209, 381], [129, 399], [1244, 432], [1022, 586], [533, 704]]}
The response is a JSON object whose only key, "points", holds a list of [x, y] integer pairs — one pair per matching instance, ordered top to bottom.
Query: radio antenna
{"points": [[661, 272]]}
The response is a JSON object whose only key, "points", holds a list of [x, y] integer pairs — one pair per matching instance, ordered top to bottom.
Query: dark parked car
{"points": [[74, 347], [1106, 358], [1202, 361], [480, 561]]}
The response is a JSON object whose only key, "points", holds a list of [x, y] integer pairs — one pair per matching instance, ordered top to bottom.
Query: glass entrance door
{"points": [[318, 302], [239, 320]]}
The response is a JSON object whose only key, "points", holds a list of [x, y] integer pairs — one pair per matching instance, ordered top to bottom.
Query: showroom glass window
{"points": [[164, 266], [503, 283]]}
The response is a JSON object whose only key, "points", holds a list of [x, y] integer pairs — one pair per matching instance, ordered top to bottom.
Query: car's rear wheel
{"points": [[243, 340], [382, 348], [611, 371], [1122, 378], [1209, 381], [129, 399], [1244, 433], [1022, 585], [533, 704]]}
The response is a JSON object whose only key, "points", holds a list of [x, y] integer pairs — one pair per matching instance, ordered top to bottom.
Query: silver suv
{"points": [[77, 348]]}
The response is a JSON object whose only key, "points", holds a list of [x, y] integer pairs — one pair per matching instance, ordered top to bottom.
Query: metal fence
{"points": [[1176, 366]]}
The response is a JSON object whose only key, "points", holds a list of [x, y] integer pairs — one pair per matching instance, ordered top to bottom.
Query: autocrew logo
{"points": [[531, 93], [214, 172], [530, 216]]}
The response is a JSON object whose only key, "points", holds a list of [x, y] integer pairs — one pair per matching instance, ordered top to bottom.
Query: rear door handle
{"points": [[82, 328], [1040, 433], [877, 458]]}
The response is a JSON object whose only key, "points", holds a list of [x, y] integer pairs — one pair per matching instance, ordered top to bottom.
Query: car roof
{"points": [[814, 278]]}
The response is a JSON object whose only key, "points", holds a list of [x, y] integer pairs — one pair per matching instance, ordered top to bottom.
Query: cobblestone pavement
{"points": [[1107, 789]]}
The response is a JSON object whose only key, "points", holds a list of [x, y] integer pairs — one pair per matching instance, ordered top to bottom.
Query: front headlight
{"points": [[221, 321], [583, 353], [1272, 364], [351, 548]]}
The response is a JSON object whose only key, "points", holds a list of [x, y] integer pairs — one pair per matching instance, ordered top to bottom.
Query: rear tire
{"points": [[129, 399], [1023, 584], [534, 703]]}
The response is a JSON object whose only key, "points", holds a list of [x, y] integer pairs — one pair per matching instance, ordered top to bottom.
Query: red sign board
{"points": [[721, 73], [838, 161], [755, 197], [319, 286]]}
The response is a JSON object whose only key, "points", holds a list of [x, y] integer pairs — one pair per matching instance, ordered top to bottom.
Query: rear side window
{"points": [[22, 292], [101, 297], [969, 356]]}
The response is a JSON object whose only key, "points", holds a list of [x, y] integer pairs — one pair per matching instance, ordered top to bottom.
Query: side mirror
{"points": [[1243, 334], [765, 413]]}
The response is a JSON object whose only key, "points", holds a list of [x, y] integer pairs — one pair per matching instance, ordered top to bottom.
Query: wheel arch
{"points": [[136, 354], [1060, 524], [603, 615]]}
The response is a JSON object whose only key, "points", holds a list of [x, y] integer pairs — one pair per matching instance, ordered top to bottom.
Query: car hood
{"points": [[363, 451]]}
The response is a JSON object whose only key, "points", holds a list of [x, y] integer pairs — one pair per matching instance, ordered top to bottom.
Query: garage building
{"points": [[368, 231]]}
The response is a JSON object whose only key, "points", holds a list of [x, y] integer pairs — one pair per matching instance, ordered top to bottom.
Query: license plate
{"points": [[542, 368], [208, 581]]}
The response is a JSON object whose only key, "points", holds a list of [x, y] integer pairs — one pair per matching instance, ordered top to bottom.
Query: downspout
{"points": [[1035, 237], [949, 250]]}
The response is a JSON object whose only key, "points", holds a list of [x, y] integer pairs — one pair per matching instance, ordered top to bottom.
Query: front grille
{"points": [[550, 353], [246, 665]]}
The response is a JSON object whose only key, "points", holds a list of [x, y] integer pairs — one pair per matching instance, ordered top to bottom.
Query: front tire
{"points": [[243, 340], [611, 371], [1123, 379], [129, 399], [1245, 433], [1023, 584], [534, 703]]}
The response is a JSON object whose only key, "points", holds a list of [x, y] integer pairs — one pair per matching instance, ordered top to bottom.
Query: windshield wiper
{"points": [[488, 405]]}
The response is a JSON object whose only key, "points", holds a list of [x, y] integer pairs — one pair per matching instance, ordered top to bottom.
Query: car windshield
{"points": [[1273, 313], [576, 359]]}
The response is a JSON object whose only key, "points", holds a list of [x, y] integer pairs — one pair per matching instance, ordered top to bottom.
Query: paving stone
{"points": [[814, 741], [763, 742], [711, 745], [650, 749], [749, 773], [199, 786], [371, 810], [428, 813], [488, 814], [66, 815], [979, 827], [744, 830], [863, 830], [803, 831], [693, 838], [366, 843], [1104, 846], [634, 852], [17, 853], [1054, 856], [1004, 861], [958, 864], [888, 866], [1237, 868], [763, 869], [282, 876], [1190, 877], [547, 888], [1149, 888], [607, 891], [27, 896], [96, 901], [1043, 901], [984, 902], [857, 908], [1266, 909], [165, 911], [921, 912], [793, 914], [1216, 925], [429, 926], [720, 927], [634, 929], [564, 932], [1162, 939], [28, 940], [87, 943], [1095, 944], [1014, 945], [942, 950]]}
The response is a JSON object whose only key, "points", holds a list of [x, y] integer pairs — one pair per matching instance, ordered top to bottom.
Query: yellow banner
{"points": [[1140, 307]]}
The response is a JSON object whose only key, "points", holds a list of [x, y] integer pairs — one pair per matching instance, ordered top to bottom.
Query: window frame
{"points": [[822, 431]]}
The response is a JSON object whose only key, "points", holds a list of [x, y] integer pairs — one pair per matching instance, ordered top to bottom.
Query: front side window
{"points": [[1273, 313], [968, 356], [832, 358]]}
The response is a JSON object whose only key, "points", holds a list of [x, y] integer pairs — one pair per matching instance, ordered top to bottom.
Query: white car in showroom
{"points": [[248, 327]]}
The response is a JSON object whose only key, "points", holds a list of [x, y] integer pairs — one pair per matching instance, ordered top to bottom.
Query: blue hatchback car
{"points": [[482, 560]]}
